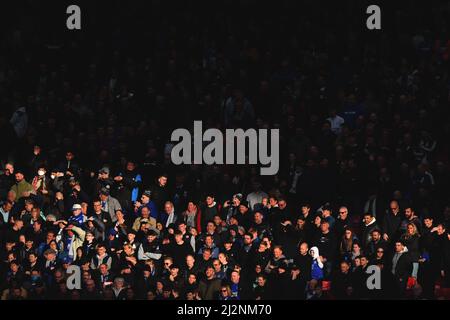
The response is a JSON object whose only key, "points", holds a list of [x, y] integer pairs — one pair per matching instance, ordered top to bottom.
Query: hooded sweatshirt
{"points": [[317, 265]]}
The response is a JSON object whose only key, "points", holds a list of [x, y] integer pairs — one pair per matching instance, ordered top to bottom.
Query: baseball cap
{"points": [[76, 206]]}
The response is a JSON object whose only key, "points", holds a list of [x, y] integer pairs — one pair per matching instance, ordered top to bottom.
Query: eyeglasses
{"points": [[342, 212], [380, 251], [224, 290]]}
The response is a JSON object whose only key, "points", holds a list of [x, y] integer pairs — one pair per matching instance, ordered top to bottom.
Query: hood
{"points": [[315, 252], [315, 255]]}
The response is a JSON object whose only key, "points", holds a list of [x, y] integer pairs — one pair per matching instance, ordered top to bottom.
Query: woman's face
{"points": [[191, 207], [410, 229], [348, 234], [53, 245]]}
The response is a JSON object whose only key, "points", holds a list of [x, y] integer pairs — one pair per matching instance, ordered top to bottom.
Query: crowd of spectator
{"points": [[87, 178]]}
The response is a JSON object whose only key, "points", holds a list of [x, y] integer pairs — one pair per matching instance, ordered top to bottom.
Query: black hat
{"points": [[244, 203]]}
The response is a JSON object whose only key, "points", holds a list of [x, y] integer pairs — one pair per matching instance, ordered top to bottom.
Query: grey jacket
{"points": [[113, 205]]}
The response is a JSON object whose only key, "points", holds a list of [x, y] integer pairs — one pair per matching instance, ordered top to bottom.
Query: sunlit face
{"points": [[162, 181], [258, 217], [304, 248], [277, 252], [190, 261], [235, 277], [261, 281]]}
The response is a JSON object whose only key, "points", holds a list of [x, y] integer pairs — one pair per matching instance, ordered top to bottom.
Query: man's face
{"points": [[69, 156], [130, 166], [9, 169], [19, 176], [162, 181], [103, 197], [145, 199], [209, 200], [282, 204], [29, 206], [97, 206], [7, 207], [394, 207], [168, 208], [243, 209], [305, 210], [76, 212], [145, 212], [326, 213], [343, 213], [408, 213], [367, 219], [428, 222], [19, 224], [210, 227], [324, 227], [440, 230], [376, 236], [131, 237], [151, 238], [178, 238], [247, 239], [398, 247], [303, 248], [101, 251], [277, 252], [380, 253], [206, 255], [32, 258], [190, 260], [364, 261], [167, 263], [344, 267], [103, 269], [174, 272], [209, 273], [235, 277], [192, 278], [261, 281]]}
